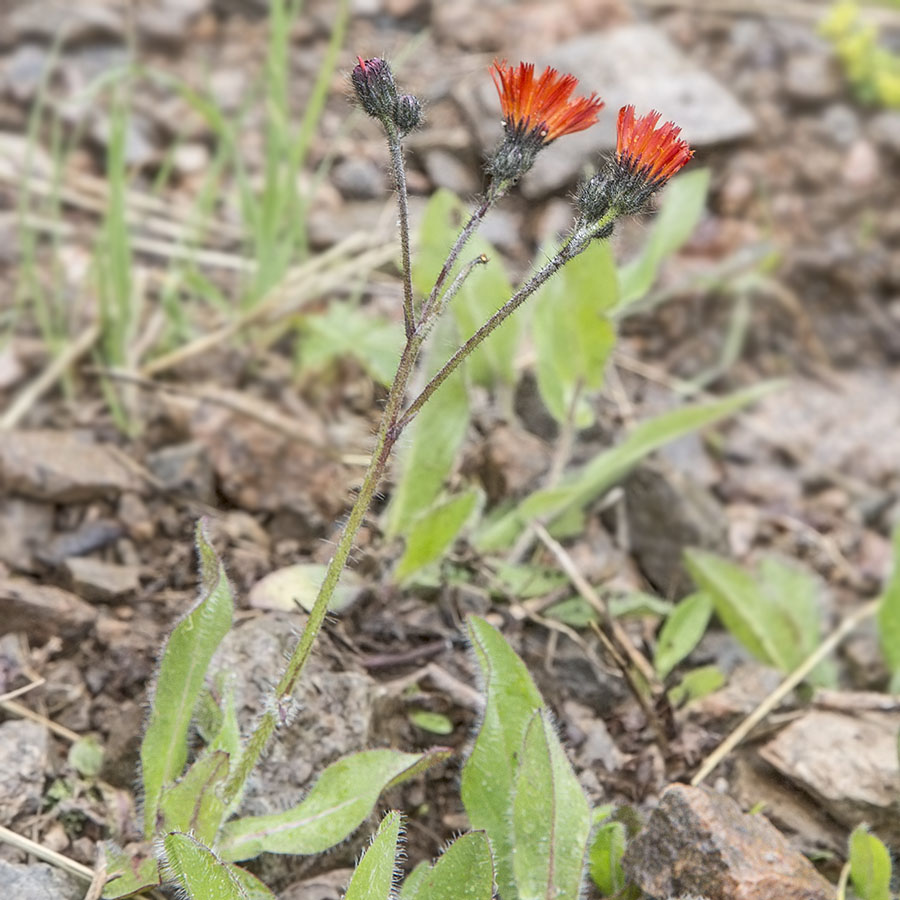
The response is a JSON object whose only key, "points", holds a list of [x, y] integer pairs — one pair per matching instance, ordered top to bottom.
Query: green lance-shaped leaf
{"points": [[682, 207], [572, 335], [609, 467], [434, 531], [889, 618], [767, 623], [682, 631], [182, 671], [488, 775], [193, 803], [338, 803], [551, 818], [605, 858], [870, 866], [465, 871], [127, 873], [203, 876], [374, 876]]}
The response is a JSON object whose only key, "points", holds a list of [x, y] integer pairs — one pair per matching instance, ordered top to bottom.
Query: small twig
{"points": [[34, 390], [586, 590], [783, 689], [11, 695], [18, 709], [79, 870]]}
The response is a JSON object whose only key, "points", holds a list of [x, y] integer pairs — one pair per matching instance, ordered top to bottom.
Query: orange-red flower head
{"points": [[544, 107], [650, 153]]}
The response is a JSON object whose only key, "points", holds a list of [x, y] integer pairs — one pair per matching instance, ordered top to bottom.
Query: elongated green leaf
{"points": [[682, 207], [572, 336], [428, 457], [612, 465], [434, 531], [739, 604], [889, 617], [682, 631], [182, 671], [696, 684], [487, 778], [338, 803], [193, 804], [551, 818], [605, 858], [870, 866], [464, 871], [127, 873], [203, 876], [374, 876]]}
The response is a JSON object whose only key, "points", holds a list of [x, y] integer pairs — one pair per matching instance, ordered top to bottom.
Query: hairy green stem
{"points": [[399, 170], [575, 244]]}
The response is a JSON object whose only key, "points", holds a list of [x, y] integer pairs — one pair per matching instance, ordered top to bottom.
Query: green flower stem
{"points": [[399, 169], [577, 242], [431, 307], [277, 708]]}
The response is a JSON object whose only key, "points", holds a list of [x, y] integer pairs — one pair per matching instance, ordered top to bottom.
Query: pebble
{"points": [[811, 78], [840, 124], [885, 130], [861, 167], [446, 170], [358, 178], [98, 581], [43, 611], [23, 759], [38, 881]]}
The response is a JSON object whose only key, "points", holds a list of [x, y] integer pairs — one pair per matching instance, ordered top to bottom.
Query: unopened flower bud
{"points": [[373, 82], [407, 114]]}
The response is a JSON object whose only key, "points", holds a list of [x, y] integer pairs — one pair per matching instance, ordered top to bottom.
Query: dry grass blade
{"points": [[783, 689]]}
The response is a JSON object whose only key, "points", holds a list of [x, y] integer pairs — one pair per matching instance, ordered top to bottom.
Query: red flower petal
{"points": [[544, 107], [654, 154]]}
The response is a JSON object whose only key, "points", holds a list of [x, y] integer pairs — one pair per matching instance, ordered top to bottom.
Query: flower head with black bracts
{"points": [[377, 93], [536, 111], [646, 157]]}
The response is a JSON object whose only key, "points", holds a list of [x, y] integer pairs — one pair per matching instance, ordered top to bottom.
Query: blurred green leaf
{"points": [[682, 207], [346, 330], [572, 336], [429, 451], [583, 487], [434, 531], [524, 581], [889, 617], [682, 631], [182, 671], [696, 684], [436, 723], [86, 756], [487, 777], [338, 803], [193, 804], [551, 817], [605, 858], [870, 865], [464, 871], [374, 876]]}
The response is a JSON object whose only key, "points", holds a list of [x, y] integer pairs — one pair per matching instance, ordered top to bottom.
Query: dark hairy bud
{"points": [[373, 82], [407, 114]]}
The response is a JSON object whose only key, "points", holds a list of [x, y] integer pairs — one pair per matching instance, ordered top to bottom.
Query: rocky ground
{"points": [[794, 271]]}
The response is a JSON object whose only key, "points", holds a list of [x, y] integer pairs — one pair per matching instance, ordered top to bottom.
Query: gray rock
{"points": [[72, 22], [631, 64], [22, 71], [811, 78], [840, 124], [885, 130], [446, 170], [358, 178], [185, 469], [668, 512], [25, 527], [98, 581], [42, 610], [23, 758], [38, 881]]}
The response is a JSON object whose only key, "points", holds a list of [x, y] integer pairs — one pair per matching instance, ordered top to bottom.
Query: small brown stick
{"points": [[34, 390], [586, 590], [783, 689], [11, 695], [18, 709]]}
